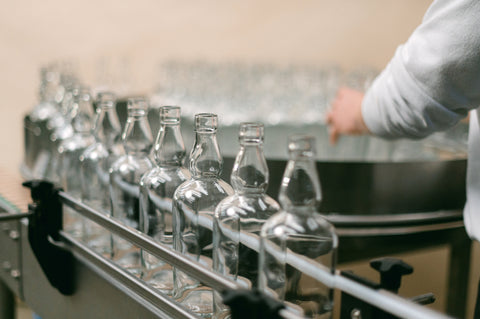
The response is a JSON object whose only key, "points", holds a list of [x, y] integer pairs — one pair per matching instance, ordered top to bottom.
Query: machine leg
{"points": [[459, 275], [7, 302]]}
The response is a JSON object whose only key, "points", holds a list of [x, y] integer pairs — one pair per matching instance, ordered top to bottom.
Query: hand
{"points": [[345, 115]]}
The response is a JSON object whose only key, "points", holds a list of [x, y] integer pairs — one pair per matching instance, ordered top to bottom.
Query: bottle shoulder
{"points": [[42, 111], [62, 133], [76, 143], [95, 152], [127, 164], [160, 176], [212, 189], [247, 205], [285, 224]]}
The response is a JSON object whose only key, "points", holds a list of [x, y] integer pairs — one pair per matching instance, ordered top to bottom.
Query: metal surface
{"points": [[429, 177], [10, 256], [192, 268], [132, 285], [103, 290], [381, 299], [7, 302]]}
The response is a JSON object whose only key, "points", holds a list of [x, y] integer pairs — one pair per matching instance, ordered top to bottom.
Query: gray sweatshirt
{"points": [[431, 83]]}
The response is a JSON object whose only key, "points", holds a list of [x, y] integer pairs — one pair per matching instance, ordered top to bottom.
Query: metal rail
{"points": [[381, 299]]}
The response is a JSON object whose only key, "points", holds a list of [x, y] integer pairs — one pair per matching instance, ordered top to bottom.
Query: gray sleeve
{"points": [[433, 80]]}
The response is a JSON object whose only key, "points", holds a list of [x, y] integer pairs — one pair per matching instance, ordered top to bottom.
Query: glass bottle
{"points": [[61, 129], [36, 134], [69, 151], [95, 163], [124, 181], [157, 187], [194, 204], [239, 218], [298, 229]]}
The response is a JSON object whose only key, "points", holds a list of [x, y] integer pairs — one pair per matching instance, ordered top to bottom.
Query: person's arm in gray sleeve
{"points": [[434, 78]]}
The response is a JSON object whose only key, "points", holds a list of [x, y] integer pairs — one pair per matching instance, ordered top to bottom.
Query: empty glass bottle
{"points": [[35, 124], [62, 130], [69, 151], [96, 161], [124, 181], [157, 187], [194, 204], [239, 218], [298, 229]]}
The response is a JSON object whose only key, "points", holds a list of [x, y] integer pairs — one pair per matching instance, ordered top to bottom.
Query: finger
{"points": [[328, 118], [333, 136]]}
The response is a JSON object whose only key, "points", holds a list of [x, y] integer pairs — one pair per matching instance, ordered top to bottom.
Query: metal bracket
{"points": [[44, 224], [251, 304]]}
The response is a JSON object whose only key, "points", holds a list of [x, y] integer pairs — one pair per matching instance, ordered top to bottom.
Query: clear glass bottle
{"points": [[62, 131], [36, 133], [69, 151], [95, 163], [124, 181], [157, 187], [194, 205], [239, 218], [298, 229]]}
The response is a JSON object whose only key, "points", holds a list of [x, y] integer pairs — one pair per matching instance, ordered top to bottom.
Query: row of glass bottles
{"points": [[194, 211]]}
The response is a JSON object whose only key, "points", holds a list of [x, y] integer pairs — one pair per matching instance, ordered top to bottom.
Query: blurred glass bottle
{"points": [[35, 124], [61, 128], [69, 151], [96, 161], [124, 181], [157, 187], [194, 205], [239, 218], [298, 229]]}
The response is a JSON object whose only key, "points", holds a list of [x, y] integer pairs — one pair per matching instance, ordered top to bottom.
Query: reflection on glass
{"points": [[69, 151], [95, 161], [124, 181], [157, 187], [194, 204], [242, 214], [298, 229]]}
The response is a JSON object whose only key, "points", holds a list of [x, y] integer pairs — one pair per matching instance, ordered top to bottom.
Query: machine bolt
{"points": [[14, 234], [15, 273], [356, 314]]}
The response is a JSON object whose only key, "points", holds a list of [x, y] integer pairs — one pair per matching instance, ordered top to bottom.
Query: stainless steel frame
{"points": [[104, 290]]}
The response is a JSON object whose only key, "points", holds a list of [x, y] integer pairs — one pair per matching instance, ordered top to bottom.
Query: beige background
{"points": [[142, 33], [138, 35]]}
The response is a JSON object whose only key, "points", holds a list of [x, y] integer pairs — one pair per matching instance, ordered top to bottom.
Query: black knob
{"points": [[391, 271]]}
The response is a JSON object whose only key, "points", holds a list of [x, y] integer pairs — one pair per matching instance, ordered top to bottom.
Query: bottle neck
{"points": [[82, 115], [107, 127], [137, 137], [169, 149], [205, 159], [250, 171], [300, 190]]}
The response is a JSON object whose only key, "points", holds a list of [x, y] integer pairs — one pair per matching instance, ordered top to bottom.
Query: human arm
{"points": [[433, 80]]}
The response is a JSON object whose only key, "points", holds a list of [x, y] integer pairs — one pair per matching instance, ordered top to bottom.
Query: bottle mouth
{"points": [[84, 95], [106, 99], [137, 106], [170, 114], [206, 122], [251, 133], [302, 144]]}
